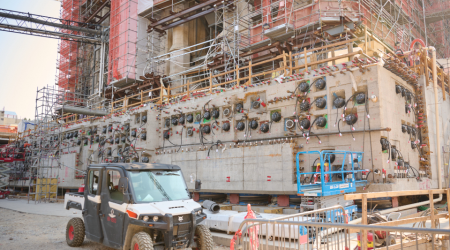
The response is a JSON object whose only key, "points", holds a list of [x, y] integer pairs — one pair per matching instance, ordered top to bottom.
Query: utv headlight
{"points": [[199, 212], [146, 218], [155, 218]]}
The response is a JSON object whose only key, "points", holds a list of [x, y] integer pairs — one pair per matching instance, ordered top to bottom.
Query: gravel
{"points": [[30, 231], [38, 232]]}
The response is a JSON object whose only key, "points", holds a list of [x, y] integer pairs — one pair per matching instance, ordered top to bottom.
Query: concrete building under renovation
{"points": [[243, 95]]}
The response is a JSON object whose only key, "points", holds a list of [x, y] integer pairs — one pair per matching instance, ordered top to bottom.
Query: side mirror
{"points": [[123, 185], [198, 185]]}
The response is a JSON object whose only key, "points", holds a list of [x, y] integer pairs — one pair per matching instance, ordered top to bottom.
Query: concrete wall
{"points": [[5, 120], [444, 132], [263, 163]]}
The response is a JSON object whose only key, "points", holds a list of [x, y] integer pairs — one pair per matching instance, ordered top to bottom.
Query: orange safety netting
{"points": [[122, 40], [67, 62], [8, 129], [252, 232]]}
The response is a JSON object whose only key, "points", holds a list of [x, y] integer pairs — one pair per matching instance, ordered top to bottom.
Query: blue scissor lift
{"points": [[340, 173]]}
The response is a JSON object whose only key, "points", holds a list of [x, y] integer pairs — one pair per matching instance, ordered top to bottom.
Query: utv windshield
{"points": [[158, 185]]}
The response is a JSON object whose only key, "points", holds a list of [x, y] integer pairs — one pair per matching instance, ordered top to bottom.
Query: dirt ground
{"points": [[30, 231]]}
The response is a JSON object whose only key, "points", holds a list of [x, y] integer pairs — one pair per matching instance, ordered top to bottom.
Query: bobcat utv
{"points": [[137, 206]]}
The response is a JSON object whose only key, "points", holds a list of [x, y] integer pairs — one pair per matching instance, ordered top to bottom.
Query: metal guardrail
{"points": [[4, 176], [347, 177], [334, 214], [288, 234]]}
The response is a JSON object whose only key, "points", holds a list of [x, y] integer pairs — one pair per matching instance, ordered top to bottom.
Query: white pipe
{"points": [[102, 67], [436, 112], [438, 146], [397, 209]]}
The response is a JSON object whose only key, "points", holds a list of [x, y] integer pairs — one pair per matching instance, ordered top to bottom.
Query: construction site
{"points": [[309, 111]]}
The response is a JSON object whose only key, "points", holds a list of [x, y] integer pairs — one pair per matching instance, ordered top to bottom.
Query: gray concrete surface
{"points": [[53, 209], [21, 230]]}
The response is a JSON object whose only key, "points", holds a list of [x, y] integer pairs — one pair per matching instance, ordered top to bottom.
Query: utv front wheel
{"points": [[75, 232], [203, 238], [141, 241]]}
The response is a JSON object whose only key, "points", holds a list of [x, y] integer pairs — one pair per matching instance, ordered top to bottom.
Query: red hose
{"points": [[411, 47]]}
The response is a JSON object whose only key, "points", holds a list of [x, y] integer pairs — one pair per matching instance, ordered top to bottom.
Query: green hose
{"points": [[422, 208]]}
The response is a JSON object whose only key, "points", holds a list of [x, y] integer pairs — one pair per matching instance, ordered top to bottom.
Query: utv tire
{"points": [[75, 232], [203, 238], [391, 240], [141, 241]]}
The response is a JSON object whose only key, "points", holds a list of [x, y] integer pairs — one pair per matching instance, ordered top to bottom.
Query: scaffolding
{"points": [[399, 22], [243, 32], [122, 43], [68, 50], [43, 172]]}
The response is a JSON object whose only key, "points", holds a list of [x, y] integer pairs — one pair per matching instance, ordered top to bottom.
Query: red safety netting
{"points": [[435, 7], [327, 11], [122, 40], [67, 62]]}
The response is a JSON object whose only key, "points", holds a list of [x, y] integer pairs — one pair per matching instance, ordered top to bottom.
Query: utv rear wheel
{"points": [[75, 232], [203, 238], [141, 241]]}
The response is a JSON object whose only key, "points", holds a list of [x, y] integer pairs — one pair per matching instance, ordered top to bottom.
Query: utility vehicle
{"points": [[137, 206]]}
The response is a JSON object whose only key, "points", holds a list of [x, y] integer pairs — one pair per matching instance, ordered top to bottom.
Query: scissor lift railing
{"points": [[12, 154], [327, 186]]}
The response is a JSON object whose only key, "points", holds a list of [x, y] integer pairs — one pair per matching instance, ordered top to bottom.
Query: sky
{"points": [[26, 62]]}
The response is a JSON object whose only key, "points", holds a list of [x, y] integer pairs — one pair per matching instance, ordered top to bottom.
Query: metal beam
{"points": [[97, 11], [184, 12], [104, 17], [189, 18], [52, 24], [25, 30]]}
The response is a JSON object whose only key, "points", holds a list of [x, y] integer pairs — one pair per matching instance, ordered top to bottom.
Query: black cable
{"points": [[207, 103], [310, 104], [345, 106], [366, 107], [337, 114], [212, 125], [270, 126], [339, 130], [309, 131], [351, 132], [181, 135], [318, 138], [172, 143], [217, 145], [389, 149], [398, 151], [370, 172], [418, 173], [304, 179]]}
